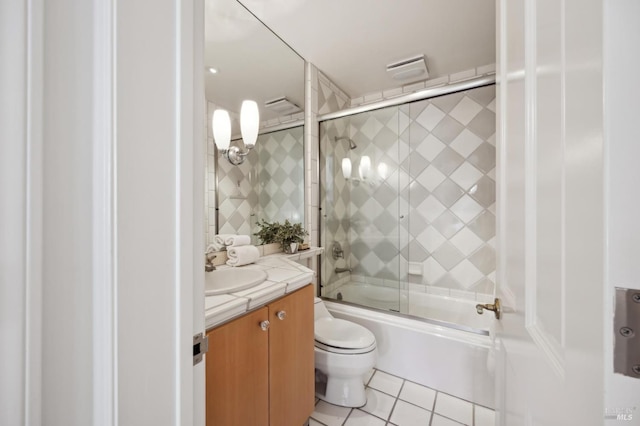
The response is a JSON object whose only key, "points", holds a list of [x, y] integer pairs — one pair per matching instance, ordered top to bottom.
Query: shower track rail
{"points": [[420, 95]]}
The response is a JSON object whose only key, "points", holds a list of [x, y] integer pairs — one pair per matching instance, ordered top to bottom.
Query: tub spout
{"points": [[339, 270]]}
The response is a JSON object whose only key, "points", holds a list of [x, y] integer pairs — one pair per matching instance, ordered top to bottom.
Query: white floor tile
{"points": [[386, 383], [418, 395], [378, 404], [454, 408], [405, 414], [330, 415], [484, 416], [360, 418], [442, 421], [314, 423]]}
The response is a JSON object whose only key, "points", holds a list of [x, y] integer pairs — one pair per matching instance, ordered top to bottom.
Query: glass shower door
{"points": [[360, 199]]}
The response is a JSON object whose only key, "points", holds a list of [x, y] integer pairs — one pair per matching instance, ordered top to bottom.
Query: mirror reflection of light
{"points": [[212, 70], [249, 122], [221, 128], [365, 167], [346, 168], [383, 170], [473, 189]]}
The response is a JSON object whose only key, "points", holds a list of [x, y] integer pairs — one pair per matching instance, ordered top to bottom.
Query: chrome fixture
{"points": [[249, 124], [352, 144], [336, 251], [208, 260], [340, 270], [495, 307]]}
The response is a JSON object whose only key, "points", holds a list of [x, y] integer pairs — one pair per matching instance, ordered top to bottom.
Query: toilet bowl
{"points": [[344, 353]]}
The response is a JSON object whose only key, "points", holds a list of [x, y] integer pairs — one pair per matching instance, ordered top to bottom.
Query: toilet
{"points": [[344, 353]]}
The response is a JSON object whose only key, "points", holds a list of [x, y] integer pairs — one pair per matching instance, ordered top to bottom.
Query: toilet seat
{"points": [[340, 336], [343, 351]]}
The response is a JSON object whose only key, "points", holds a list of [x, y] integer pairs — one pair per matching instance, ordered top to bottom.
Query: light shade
{"points": [[249, 123], [221, 125], [365, 167], [346, 168]]}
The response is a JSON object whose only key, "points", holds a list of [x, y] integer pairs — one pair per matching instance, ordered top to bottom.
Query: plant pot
{"points": [[291, 248], [271, 249]]}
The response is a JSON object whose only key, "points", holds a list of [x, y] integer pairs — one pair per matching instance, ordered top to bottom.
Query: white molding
{"points": [[501, 153], [530, 166], [563, 189], [34, 231], [551, 350], [105, 364]]}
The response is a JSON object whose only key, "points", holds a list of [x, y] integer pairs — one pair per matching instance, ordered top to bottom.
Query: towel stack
{"points": [[232, 240], [239, 249]]}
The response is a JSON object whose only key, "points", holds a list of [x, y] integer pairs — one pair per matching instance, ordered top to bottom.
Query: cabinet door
{"points": [[238, 372], [291, 373]]}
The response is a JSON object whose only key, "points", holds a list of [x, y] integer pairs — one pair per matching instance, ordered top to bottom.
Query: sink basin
{"points": [[229, 280]]}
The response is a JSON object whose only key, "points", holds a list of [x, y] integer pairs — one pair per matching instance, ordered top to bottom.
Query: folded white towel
{"points": [[221, 238], [238, 240], [213, 247], [242, 255]]}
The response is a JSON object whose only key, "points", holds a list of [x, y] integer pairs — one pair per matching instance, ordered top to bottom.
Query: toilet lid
{"points": [[342, 334]]}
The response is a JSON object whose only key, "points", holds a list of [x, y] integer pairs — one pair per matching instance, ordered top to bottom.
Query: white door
{"points": [[101, 218], [551, 220]]}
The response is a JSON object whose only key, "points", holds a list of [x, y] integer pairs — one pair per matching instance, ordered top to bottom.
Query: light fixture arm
{"points": [[234, 155]]}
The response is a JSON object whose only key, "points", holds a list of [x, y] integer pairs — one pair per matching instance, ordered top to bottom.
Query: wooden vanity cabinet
{"points": [[258, 377]]}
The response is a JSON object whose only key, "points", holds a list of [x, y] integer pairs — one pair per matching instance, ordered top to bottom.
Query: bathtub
{"points": [[439, 310], [430, 352]]}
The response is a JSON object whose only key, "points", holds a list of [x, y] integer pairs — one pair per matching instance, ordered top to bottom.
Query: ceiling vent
{"points": [[410, 68], [282, 106]]}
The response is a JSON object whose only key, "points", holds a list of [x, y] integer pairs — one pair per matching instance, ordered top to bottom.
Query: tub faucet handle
{"points": [[495, 307]]}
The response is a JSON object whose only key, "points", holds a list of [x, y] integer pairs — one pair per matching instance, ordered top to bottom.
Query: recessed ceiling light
{"points": [[212, 70]]}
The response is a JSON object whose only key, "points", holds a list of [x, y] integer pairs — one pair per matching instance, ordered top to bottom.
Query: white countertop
{"points": [[284, 275]]}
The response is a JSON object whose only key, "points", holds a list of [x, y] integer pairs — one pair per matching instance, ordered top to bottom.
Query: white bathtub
{"points": [[443, 309], [444, 358]]}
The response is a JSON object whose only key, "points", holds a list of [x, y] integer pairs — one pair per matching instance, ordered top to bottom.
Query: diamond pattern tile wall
{"points": [[439, 155], [268, 185]]}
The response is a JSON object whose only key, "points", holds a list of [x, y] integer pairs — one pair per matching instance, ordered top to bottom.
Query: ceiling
{"points": [[352, 41]]}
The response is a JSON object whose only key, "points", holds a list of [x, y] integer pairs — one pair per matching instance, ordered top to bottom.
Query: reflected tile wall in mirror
{"points": [[269, 185]]}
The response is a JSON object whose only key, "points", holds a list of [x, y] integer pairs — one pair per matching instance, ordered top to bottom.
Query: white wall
{"points": [[622, 133]]}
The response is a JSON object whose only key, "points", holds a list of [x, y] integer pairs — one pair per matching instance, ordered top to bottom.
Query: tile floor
{"points": [[391, 400]]}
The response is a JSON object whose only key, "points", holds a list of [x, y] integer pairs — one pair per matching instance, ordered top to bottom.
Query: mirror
{"points": [[250, 62]]}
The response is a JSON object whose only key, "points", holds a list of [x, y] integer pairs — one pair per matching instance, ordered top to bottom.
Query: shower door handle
{"points": [[495, 307]]}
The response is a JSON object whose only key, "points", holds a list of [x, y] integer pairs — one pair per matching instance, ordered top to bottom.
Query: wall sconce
{"points": [[249, 124], [365, 167], [346, 168]]}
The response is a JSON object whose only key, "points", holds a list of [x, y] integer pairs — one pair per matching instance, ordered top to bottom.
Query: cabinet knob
{"points": [[281, 315], [264, 325]]}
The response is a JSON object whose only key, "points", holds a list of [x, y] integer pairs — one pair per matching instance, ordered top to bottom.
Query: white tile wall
{"points": [[441, 168]]}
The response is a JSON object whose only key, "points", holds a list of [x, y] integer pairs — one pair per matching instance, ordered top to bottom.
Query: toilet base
{"points": [[344, 391]]}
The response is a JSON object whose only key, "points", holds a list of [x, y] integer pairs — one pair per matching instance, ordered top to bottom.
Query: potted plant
{"points": [[267, 232], [288, 235]]}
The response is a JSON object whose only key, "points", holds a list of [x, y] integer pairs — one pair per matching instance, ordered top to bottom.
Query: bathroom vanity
{"points": [[260, 363]]}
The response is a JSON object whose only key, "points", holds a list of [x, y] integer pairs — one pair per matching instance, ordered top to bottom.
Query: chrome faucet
{"points": [[208, 261]]}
